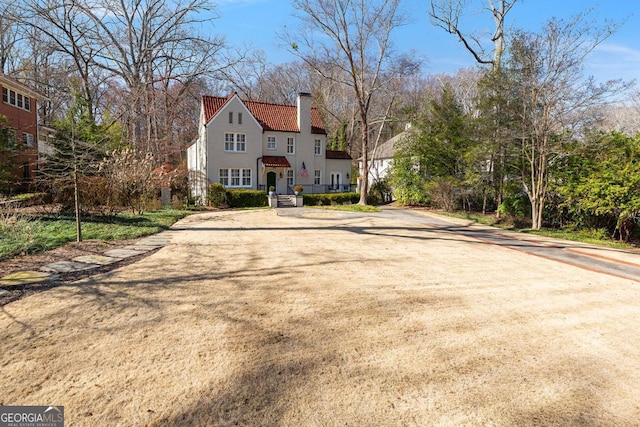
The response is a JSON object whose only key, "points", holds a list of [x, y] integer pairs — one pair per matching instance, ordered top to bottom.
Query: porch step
{"points": [[285, 201]]}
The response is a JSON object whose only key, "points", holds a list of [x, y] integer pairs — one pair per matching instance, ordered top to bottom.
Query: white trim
{"points": [[275, 142], [242, 174]]}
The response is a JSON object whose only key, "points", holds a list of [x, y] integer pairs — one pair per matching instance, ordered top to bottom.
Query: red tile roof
{"points": [[272, 117], [337, 154], [276, 162]]}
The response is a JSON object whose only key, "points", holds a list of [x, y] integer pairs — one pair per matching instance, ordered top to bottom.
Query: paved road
{"points": [[556, 250]]}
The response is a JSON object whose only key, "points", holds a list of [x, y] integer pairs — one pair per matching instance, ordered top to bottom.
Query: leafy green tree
{"points": [[436, 148], [407, 181], [599, 184]]}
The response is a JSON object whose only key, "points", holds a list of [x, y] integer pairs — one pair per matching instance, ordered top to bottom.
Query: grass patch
{"points": [[348, 208], [28, 236], [583, 236]]}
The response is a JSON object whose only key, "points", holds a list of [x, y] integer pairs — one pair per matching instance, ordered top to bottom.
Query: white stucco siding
{"points": [[220, 157], [337, 171]]}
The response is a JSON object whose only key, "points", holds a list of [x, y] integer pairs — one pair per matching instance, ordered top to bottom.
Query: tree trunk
{"points": [[76, 197]]}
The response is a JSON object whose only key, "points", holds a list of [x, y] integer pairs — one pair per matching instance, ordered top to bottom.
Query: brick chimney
{"points": [[304, 112]]}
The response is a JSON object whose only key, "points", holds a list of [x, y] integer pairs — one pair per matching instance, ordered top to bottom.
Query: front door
{"points": [[271, 180]]}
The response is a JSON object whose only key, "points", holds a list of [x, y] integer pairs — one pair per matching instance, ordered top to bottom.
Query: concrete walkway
{"points": [[52, 271]]}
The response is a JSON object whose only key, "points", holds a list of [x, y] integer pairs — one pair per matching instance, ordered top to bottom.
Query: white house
{"points": [[256, 145], [382, 157]]}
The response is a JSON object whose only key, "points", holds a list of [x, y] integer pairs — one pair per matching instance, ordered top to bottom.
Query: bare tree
{"points": [[447, 14], [9, 34], [147, 43], [352, 48]]}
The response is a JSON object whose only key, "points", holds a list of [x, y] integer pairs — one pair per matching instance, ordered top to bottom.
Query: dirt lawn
{"points": [[249, 318]]}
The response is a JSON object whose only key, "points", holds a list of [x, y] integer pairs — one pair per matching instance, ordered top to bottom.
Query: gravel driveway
{"points": [[322, 318]]}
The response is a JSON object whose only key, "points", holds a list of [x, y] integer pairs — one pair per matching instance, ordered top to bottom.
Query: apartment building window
{"points": [[19, 100], [28, 139], [235, 142], [271, 143], [291, 146], [317, 147], [26, 172], [235, 177], [290, 177], [316, 177]]}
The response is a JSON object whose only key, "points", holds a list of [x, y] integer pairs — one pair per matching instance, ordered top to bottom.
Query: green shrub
{"points": [[380, 193], [216, 195], [246, 198], [330, 198]]}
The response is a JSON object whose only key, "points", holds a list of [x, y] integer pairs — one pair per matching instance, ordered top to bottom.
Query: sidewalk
{"points": [[57, 271]]}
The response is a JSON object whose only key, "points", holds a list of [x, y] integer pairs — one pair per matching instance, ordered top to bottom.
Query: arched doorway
{"points": [[271, 180]]}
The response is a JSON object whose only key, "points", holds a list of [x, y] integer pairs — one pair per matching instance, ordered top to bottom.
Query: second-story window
{"points": [[230, 117], [239, 118], [235, 142], [271, 143], [291, 146], [317, 147]]}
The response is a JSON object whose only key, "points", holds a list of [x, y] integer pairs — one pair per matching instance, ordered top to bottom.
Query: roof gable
{"points": [[272, 117]]}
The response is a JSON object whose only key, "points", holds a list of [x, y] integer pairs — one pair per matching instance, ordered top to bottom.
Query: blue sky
{"points": [[255, 22]]}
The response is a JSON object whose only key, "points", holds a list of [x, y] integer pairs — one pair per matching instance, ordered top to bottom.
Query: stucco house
{"points": [[19, 107], [257, 145], [382, 157]]}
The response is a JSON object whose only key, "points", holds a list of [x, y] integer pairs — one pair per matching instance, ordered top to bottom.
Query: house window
{"points": [[5, 95], [20, 101], [27, 103], [230, 117], [239, 118], [28, 139], [229, 142], [235, 142], [271, 143], [241, 144], [291, 146], [317, 147], [224, 177], [235, 177], [246, 177], [290, 177], [317, 177]]}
